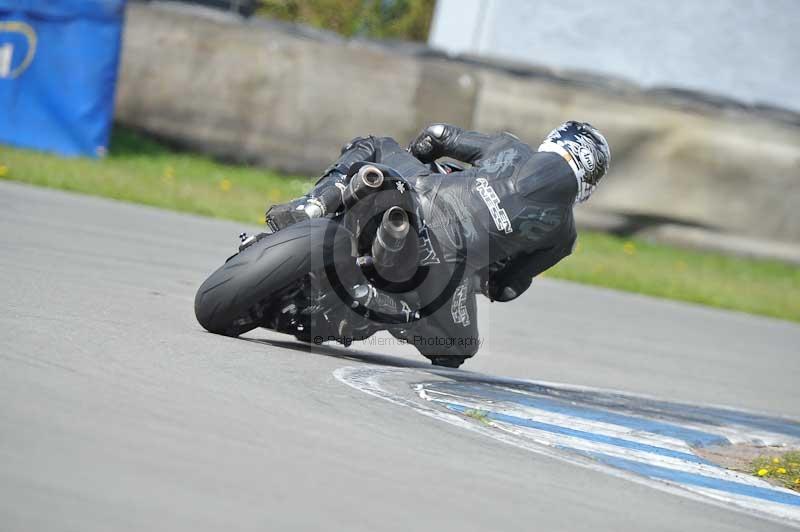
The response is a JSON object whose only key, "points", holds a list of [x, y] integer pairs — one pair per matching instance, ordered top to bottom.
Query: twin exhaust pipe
{"points": [[388, 247]]}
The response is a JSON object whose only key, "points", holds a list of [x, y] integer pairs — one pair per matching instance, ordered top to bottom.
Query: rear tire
{"points": [[234, 298]]}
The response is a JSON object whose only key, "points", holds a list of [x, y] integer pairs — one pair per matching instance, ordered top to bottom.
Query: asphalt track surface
{"points": [[118, 412]]}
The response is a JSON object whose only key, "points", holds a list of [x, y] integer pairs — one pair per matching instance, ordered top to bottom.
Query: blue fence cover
{"points": [[58, 71]]}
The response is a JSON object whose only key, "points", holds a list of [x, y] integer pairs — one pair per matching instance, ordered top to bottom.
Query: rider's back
{"points": [[511, 201]]}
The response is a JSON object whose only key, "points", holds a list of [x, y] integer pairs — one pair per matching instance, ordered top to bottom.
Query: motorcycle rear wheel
{"points": [[233, 300]]}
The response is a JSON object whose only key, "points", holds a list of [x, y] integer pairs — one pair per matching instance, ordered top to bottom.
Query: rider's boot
{"points": [[325, 197], [447, 361]]}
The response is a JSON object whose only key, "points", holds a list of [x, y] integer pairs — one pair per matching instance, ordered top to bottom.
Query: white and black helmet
{"points": [[585, 149]]}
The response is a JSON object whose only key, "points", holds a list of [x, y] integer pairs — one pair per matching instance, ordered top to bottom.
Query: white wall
{"points": [[748, 50]]}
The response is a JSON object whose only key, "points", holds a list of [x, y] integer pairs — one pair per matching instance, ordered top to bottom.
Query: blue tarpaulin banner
{"points": [[58, 72]]}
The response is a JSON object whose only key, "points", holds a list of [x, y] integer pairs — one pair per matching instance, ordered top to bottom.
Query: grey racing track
{"points": [[118, 412]]}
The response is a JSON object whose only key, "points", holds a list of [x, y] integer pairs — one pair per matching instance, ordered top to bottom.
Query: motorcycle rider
{"points": [[506, 218]]}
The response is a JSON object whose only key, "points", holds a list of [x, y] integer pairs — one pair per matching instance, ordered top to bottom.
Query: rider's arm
{"points": [[445, 140], [549, 188], [517, 276]]}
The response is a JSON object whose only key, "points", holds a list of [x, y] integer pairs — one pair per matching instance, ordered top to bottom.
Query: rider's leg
{"points": [[357, 150], [383, 150], [391, 154], [326, 190], [325, 196], [447, 328], [449, 335]]}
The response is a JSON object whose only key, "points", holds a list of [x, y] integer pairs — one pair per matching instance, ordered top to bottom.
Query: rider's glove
{"points": [[430, 143]]}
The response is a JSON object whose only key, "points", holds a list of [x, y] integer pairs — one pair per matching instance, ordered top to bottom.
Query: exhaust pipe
{"points": [[371, 176], [368, 180], [391, 238]]}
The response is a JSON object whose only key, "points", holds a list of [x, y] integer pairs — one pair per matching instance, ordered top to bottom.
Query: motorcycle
{"points": [[355, 266]]}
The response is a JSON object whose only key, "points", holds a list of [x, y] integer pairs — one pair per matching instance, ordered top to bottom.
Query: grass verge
{"points": [[141, 170], [769, 288], [783, 469]]}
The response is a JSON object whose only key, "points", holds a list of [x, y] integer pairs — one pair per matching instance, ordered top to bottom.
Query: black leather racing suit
{"points": [[505, 220]]}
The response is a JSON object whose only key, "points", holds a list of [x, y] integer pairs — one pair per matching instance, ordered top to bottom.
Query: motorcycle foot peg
{"points": [[245, 241], [362, 295]]}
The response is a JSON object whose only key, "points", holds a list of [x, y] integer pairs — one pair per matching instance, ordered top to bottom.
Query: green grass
{"points": [[141, 170], [769, 288], [783, 470]]}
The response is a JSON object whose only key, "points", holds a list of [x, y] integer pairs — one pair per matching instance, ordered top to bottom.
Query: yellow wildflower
{"points": [[3, 170], [168, 175], [225, 185], [629, 248], [776, 460], [781, 471], [762, 472], [797, 481]]}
